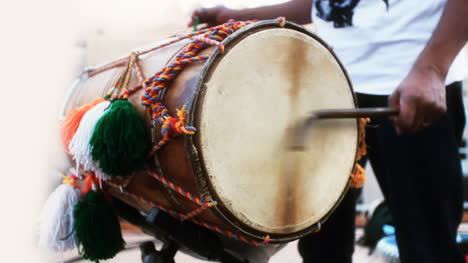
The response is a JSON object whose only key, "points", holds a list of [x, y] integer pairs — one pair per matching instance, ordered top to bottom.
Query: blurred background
{"points": [[57, 39]]}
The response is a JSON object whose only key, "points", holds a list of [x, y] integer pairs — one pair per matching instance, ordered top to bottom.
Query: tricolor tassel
{"points": [[71, 123], [120, 143], [79, 146], [56, 220], [97, 227]]}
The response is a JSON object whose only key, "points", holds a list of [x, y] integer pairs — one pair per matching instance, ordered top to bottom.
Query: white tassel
{"points": [[79, 146], [99, 173], [56, 220]]}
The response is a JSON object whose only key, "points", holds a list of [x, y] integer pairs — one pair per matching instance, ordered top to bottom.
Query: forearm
{"points": [[297, 11], [449, 37], [421, 95]]}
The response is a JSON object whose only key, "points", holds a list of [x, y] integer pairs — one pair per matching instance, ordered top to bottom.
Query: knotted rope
{"points": [[158, 83], [155, 85]]}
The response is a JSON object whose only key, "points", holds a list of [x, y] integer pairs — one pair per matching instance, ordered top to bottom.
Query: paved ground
{"points": [[288, 254]]}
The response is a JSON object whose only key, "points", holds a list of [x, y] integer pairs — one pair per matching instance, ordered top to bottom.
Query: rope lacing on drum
{"points": [[155, 85], [171, 127], [182, 192], [189, 216]]}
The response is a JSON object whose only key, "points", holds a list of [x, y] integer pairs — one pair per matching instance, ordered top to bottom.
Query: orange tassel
{"points": [[71, 123], [362, 138], [358, 177], [88, 183]]}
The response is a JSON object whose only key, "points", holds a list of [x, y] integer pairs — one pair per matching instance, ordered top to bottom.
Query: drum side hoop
{"points": [[157, 165], [202, 181]]}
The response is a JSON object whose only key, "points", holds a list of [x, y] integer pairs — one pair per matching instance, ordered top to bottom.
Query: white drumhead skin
{"points": [[258, 91]]}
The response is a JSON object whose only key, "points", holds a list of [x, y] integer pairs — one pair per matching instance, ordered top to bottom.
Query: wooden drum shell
{"points": [[180, 160]]}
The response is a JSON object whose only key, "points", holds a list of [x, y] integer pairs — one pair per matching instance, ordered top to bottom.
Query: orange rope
{"points": [[358, 176], [71, 180]]}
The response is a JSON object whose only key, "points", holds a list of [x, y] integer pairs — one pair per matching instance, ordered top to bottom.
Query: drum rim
{"points": [[202, 180]]}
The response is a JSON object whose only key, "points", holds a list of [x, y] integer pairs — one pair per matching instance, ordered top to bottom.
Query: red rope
{"points": [[189, 216]]}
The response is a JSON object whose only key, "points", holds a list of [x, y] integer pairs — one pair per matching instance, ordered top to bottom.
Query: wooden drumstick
{"points": [[354, 113], [302, 129]]}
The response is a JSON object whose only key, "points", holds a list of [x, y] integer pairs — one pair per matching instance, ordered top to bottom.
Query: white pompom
{"points": [[79, 146], [56, 220]]}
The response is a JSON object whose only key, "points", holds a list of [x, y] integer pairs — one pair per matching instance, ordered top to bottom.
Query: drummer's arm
{"points": [[297, 11], [449, 37], [421, 95]]}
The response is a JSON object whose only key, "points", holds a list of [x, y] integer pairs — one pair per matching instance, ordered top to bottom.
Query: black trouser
{"points": [[420, 176]]}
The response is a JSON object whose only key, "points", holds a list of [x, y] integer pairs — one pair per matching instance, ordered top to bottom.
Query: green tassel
{"points": [[120, 143], [97, 228]]}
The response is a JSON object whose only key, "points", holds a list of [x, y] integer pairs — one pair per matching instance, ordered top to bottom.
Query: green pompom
{"points": [[120, 143], [97, 228]]}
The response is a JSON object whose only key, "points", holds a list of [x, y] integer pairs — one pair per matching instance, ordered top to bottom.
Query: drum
{"points": [[236, 174]]}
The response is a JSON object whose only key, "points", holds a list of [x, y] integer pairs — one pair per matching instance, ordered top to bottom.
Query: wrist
{"points": [[435, 57], [430, 63]]}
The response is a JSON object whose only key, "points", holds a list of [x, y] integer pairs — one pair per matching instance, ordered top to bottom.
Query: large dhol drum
{"points": [[244, 103]]}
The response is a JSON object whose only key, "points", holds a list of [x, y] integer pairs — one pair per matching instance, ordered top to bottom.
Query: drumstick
{"points": [[354, 113], [302, 129]]}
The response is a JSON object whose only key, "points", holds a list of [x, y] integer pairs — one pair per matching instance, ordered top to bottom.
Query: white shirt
{"points": [[381, 46]]}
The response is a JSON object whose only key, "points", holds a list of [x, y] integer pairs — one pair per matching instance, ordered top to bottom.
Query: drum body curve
{"points": [[245, 103]]}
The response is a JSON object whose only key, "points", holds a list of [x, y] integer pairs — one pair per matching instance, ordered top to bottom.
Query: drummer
{"points": [[396, 52]]}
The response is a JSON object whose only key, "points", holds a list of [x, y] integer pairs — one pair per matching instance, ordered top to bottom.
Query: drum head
{"points": [[253, 94]]}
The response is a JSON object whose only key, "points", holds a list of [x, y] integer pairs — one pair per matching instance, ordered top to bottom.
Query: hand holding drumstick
{"points": [[421, 95]]}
